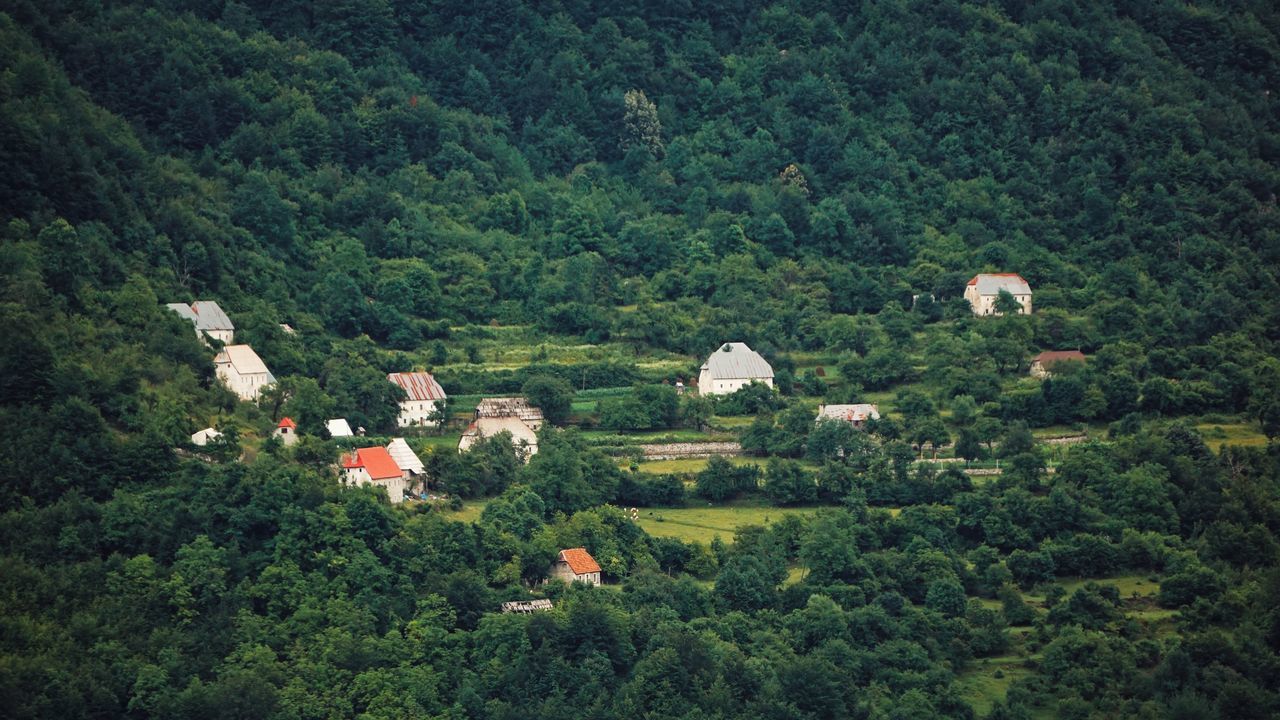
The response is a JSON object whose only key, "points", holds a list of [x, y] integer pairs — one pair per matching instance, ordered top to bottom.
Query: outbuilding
{"points": [[576, 565]]}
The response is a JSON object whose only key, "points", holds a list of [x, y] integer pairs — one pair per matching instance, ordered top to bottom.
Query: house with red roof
{"points": [[983, 290], [1043, 364], [421, 393], [287, 431], [375, 466], [576, 565]]}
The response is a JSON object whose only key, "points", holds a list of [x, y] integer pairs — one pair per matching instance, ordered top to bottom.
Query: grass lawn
{"points": [[1243, 434], [436, 442], [686, 465], [470, 511], [702, 524], [1128, 585], [981, 687]]}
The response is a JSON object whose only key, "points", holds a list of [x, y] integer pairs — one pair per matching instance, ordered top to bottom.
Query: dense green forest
{"points": [[579, 202]]}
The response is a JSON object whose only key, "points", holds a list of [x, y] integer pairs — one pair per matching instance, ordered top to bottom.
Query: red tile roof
{"points": [[1049, 357], [418, 385], [287, 422], [375, 460], [580, 561]]}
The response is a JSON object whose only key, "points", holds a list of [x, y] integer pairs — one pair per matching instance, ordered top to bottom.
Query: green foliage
{"points": [[412, 184]]}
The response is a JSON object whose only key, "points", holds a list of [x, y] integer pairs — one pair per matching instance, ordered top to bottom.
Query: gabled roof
{"points": [[993, 283], [184, 310], [204, 314], [210, 317], [1049, 357], [243, 359], [734, 361], [418, 385], [509, 407], [859, 412], [287, 422], [490, 426], [339, 427], [204, 436], [405, 457], [375, 460], [579, 561]]}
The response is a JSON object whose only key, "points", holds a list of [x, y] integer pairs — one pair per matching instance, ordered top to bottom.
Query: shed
{"points": [[576, 565]]}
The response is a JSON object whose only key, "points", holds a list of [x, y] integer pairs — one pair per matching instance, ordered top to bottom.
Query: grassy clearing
{"points": [[1241, 434], [682, 466], [470, 511], [702, 524], [1127, 585], [988, 681]]}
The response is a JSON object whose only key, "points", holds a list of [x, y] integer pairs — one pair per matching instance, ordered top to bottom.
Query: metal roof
{"points": [[993, 283], [210, 317], [243, 359], [735, 361], [418, 386], [509, 407], [338, 427], [405, 457]]}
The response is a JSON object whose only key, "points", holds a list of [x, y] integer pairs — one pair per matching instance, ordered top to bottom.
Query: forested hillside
{"points": [[579, 202]]}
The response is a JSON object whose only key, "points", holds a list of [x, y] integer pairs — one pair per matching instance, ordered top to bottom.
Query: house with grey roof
{"points": [[983, 290], [208, 319], [732, 367]]}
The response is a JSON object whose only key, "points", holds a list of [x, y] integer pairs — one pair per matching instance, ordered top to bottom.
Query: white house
{"points": [[983, 290], [208, 318], [731, 368], [242, 371], [421, 392], [511, 407], [856, 415], [338, 427], [287, 431], [205, 436], [523, 438], [405, 458], [374, 466], [576, 565]]}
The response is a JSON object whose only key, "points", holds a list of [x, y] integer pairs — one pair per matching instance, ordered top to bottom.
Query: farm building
{"points": [[983, 290], [208, 318], [1042, 365], [731, 368], [242, 371], [421, 393], [511, 407], [856, 415], [338, 427], [287, 431], [205, 436], [523, 438], [405, 457], [374, 466], [576, 565], [525, 607]]}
